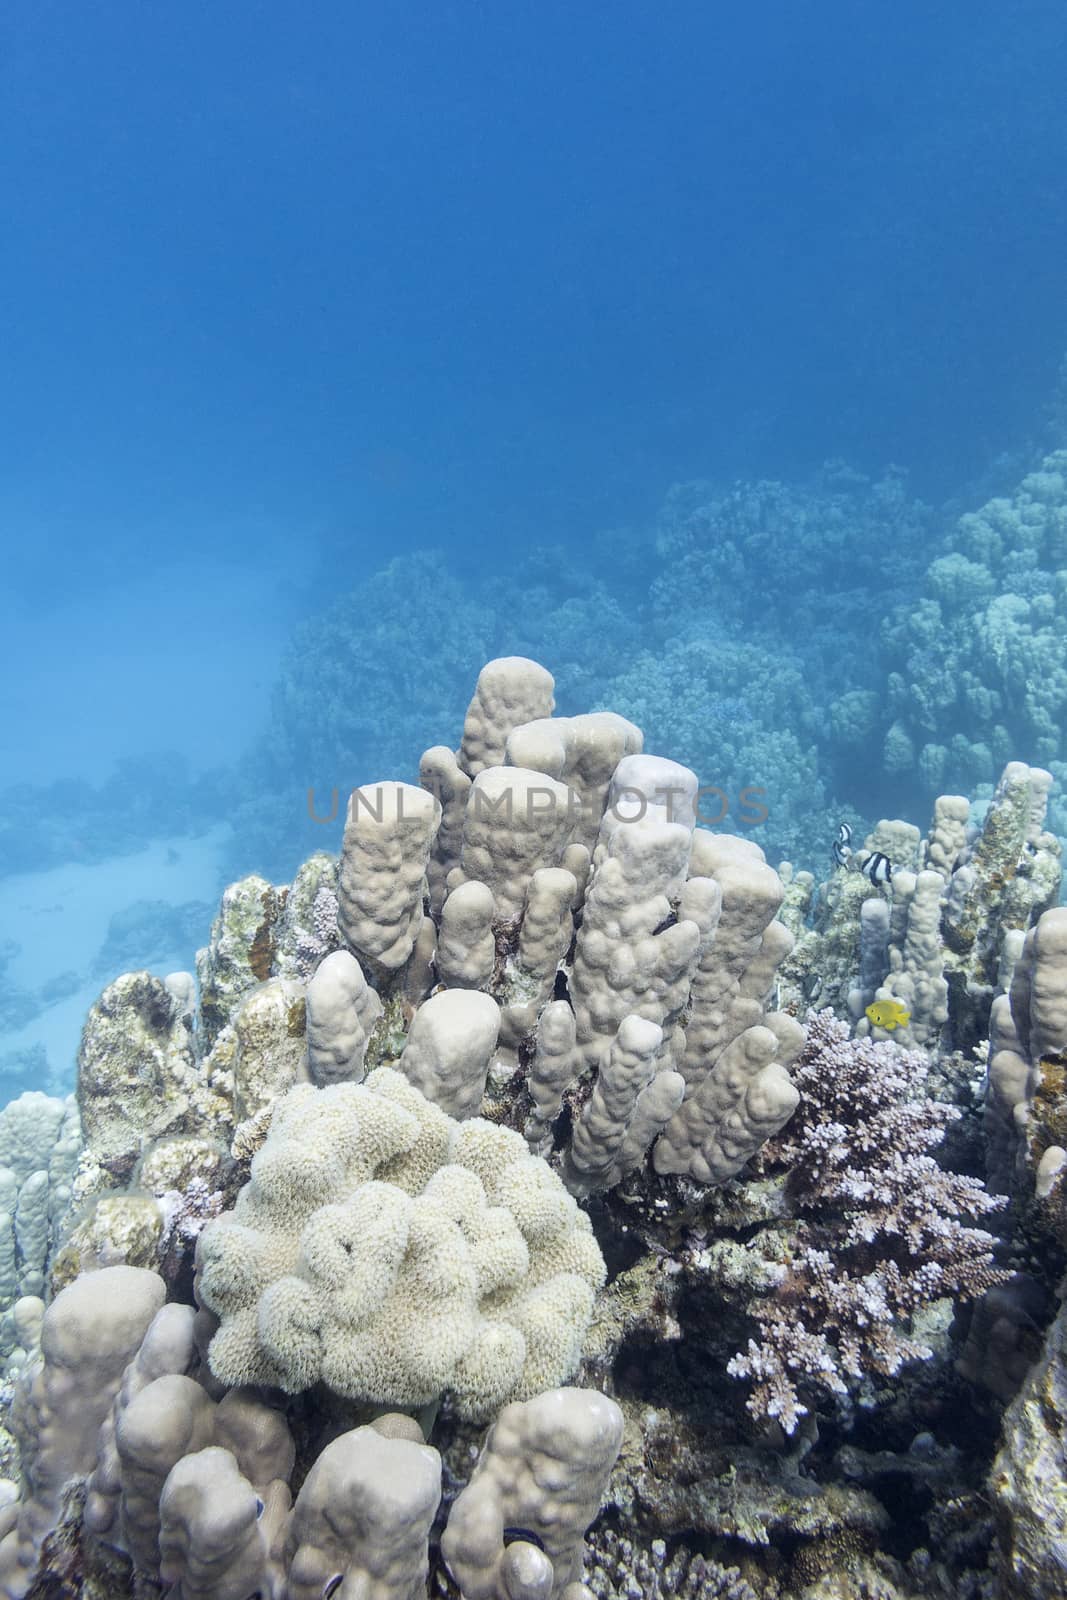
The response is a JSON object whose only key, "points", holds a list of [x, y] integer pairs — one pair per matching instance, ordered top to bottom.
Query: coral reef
{"points": [[719, 548], [702, 666], [976, 667], [941, 937], [138, 1075], [516, 1093], [194, 1492], [618, 1569]]}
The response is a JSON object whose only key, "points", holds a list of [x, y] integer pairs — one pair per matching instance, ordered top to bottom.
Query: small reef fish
{"points": [[841, 848], [877, 867], [888, 1014]]}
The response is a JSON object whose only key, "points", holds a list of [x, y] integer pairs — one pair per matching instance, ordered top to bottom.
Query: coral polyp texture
{"points": [[395, 1255]]}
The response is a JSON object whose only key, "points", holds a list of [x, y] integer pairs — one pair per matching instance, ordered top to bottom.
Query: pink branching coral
{"points": [[879, 1234]]}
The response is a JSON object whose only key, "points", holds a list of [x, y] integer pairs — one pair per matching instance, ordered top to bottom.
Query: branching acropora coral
{"points": [[880, 1234]]}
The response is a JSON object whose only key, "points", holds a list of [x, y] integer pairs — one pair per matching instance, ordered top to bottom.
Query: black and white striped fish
{"points": [[841, 848], [877, 867]]}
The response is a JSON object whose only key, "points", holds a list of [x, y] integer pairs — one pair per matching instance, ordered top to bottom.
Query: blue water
{"points": [[347, 346]]}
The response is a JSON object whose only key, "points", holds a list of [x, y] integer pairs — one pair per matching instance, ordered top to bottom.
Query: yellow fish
{"points": [[888, 1014]]}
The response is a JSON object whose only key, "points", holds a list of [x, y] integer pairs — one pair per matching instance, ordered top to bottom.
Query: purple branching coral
{"points": [[322, 937], [879, 1233]]}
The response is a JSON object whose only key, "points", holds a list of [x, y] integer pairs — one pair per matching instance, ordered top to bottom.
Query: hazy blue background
{"points": [[416, 272], [289, 290]]}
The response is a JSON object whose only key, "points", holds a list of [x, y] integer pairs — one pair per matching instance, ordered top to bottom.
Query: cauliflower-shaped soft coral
{"points": [[395, 1255]]}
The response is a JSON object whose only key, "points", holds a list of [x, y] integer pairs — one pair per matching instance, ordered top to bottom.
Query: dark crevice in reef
{"points": [[562, 1129], [620, 1246], [687, 1374], [673, 1375], [937, 1403]]}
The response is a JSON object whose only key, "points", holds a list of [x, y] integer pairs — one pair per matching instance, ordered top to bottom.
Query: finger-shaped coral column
{"points": [[510, 690], [583, 752], [442, 776], [516, 821], [388, 837], [466, 947], [633, 954], [916, 959], [1039, 987], [342, 1009], [452, 1038], [1028, 1045], [736, 1049], [553, 1069], [627, 1070], [746, 1099], [40, 1142], [90, 1332], [168, 1348], [159, 1419], [543, 1469], [363, 1517], [219, 1539]]}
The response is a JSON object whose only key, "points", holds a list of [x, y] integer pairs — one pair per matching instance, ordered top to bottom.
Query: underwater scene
{"points": [[533, 793]]}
